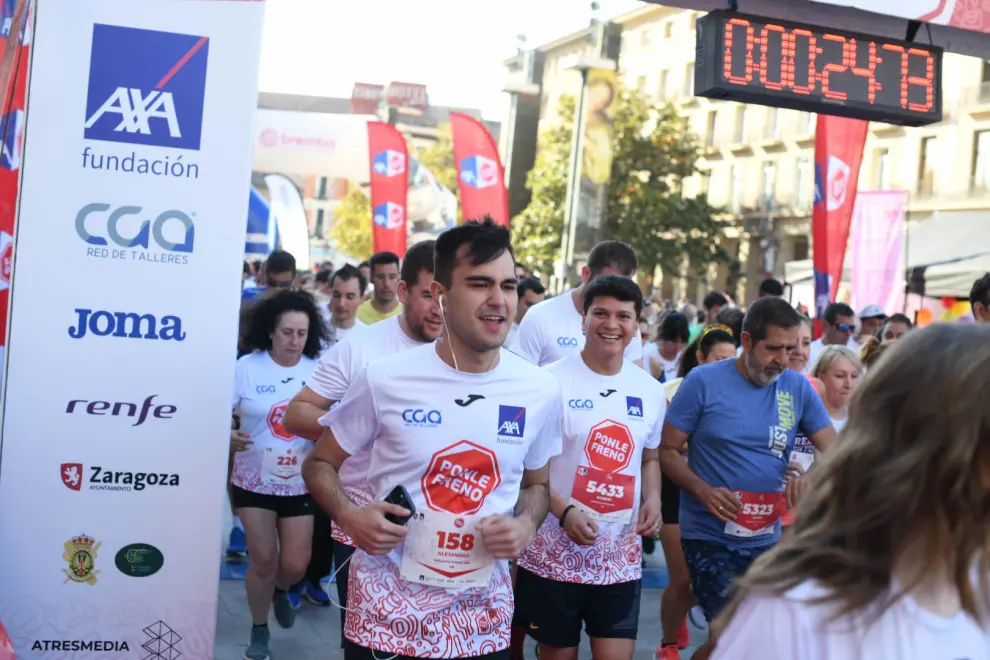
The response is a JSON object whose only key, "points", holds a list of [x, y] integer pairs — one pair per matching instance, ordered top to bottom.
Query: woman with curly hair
{"points": [[284, 334], [888, 558]]}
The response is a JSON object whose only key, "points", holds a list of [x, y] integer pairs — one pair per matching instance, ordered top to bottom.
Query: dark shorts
{"points": [[670, 500], [292, 506], [342, 557], [712, 568], [554, 611], [354, 652]]}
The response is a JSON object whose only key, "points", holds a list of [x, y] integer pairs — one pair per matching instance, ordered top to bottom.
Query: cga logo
{"points": [[155, 99], [12, 130], [389, 163], [479, 172], [389, 215], [179, 225], [126, 324], [569, 342], [580, 404], [634, 406], [422, 418], [511, 422], [139, 560]]}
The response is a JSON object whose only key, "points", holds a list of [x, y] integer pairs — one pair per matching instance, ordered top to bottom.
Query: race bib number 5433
{"points": [[604, 496]]}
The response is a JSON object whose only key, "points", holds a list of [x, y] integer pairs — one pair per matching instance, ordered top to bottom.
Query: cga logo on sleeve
{"points": [[146, 87], [634, 406], [511, 422]]}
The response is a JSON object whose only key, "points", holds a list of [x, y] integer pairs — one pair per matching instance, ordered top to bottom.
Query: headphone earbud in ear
{"points": [[440, 300]]}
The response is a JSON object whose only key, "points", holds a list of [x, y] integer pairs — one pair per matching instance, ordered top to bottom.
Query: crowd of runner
{"points": [[473, 463]]}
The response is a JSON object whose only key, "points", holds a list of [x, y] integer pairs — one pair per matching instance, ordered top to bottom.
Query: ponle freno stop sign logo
{"points": [[275, 416], [609, 447], [460, 477]]}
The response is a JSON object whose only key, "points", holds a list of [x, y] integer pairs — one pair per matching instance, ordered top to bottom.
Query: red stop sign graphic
{"points": [[275, 416], [610, 446], [460, 477]]}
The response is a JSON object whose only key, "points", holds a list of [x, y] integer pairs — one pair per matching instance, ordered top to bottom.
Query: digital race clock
{"points": [[790, 65]]}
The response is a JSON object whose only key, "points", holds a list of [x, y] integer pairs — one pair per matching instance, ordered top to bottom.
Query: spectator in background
{"points": [[365, 268], [520, 271], [278, 272], [247, 277], [305, 281], [770, 287], [531, 291], [322, 293], [979, 299], [384, 303], [713, 304], [690, 310], [340, 315], [732, 317], [871, 319], [838, 327], [895, 327], [671, 339], [871, 350]]}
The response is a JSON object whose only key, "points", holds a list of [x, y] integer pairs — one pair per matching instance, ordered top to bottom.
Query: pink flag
{"points": [[876, 250]]}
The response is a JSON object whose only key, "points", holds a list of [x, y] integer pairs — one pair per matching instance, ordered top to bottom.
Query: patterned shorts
{"points": [[712, 567]]}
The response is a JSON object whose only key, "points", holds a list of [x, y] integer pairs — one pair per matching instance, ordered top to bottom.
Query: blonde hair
{"points": [[871, 350], [829, 355], [912, 472]]}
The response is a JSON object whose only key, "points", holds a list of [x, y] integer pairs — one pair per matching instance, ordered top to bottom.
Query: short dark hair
{"points": [[485, 240], [612, 254], [383, 258], [418, 258], [280, 261], [364, 264], [519, 264], [347, 272], [323, 277], [530, 284], [620, 287], [770, 287], [980, 293], [714, 299], [835, 310], [766, 312], [263, 316], [733, 318], [900, 318], [675, 326], [706, 341]]}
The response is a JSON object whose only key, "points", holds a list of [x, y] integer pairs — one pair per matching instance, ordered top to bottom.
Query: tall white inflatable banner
{"points": [[123, 324]]}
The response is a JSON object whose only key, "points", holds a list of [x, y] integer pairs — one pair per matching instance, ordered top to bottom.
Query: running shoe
{"points": [[237, 544], [295, 594], [316, 594], [285, 614], [698, 618], [683, 635], [258, 649], [668, 653]]}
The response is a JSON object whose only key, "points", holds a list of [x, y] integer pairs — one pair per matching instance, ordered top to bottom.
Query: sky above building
{"points": [[454, 47]]}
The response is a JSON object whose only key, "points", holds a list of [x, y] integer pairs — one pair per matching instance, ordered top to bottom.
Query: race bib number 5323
{"points": [[758, 514]]}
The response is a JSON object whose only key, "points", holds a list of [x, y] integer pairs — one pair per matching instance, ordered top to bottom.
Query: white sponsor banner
{"points": [[312, 143], [290, 214], [130, 237]]}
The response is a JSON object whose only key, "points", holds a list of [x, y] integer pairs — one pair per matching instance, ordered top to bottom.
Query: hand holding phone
{"points": [[379, 527]]}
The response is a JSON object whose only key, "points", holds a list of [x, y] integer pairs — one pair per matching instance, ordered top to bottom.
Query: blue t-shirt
{"points": [[252, 293], [741, 437]]}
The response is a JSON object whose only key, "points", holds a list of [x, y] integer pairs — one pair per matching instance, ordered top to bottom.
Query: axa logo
{"points": [[146, 87], [12, 130], [389, 163], [479, 172], [390, 215], [126, 227], [126, 324], [567, 342], [581, 404], [634, 406], [148, 408], [422, 418], [511, 422]]}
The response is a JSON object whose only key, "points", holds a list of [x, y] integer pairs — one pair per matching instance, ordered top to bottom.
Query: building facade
{"points": [[758, 162]]}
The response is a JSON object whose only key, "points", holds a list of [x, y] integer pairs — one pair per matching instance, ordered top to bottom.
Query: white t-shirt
{"points": [[551, 330], [512, 339], [818, 346], [338, 369], [262, 391], [630, 404], [464, 439], [791, 628]]}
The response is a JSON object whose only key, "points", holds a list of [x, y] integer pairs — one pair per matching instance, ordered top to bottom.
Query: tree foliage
{"points": [[654, 151], [438, 157], [351, 230], [536, 231]]}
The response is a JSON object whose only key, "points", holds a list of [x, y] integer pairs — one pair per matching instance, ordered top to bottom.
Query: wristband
{"points": [[563, 515]]}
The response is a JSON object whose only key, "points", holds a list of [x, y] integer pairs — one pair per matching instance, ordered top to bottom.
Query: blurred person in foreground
{"points": [[888, 558]]}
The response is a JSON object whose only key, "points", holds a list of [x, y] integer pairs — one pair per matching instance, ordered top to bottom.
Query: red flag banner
{"points": [[838, 155], [481, 177], [389, 185]]}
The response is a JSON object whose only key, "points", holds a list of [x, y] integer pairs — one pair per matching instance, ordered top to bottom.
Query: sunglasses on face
{"points": [[845, 327]]}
